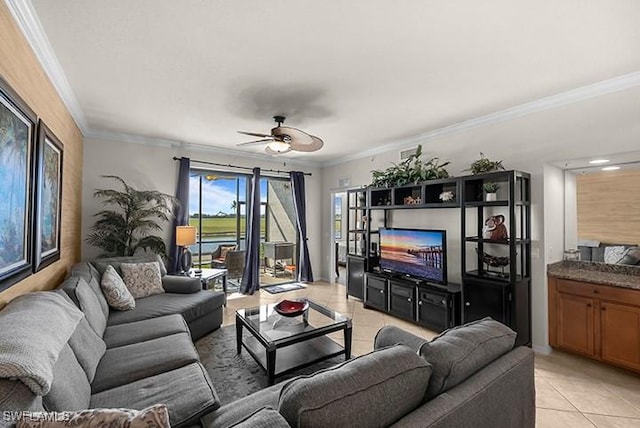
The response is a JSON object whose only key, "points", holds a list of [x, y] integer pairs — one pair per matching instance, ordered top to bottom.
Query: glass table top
{"points": [[266, 322]]}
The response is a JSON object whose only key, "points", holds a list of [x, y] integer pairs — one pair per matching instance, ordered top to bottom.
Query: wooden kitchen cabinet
{"points": [[598, 321], [620, 326], [575, 328]]}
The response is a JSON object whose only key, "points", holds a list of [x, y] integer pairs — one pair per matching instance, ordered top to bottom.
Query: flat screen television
{"points": [[415, 253]]}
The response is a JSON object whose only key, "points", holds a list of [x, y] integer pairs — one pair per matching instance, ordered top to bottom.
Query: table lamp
{"points": [[185, 236]]}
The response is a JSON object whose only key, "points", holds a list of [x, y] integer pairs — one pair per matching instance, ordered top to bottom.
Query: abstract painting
{"points": [[17, 129], [49, 198]]}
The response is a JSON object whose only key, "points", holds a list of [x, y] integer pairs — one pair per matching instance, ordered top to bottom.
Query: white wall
{"points": [[152, 167], [570, 211]]}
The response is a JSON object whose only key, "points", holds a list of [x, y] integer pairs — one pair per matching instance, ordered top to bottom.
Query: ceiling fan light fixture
{"points": [[279, 146]]}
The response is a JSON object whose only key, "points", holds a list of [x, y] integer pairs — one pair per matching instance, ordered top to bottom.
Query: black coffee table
{"points": [[282, 344]]}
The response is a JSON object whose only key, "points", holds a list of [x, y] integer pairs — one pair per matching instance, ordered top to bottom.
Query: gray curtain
{"points": [[181, 212], [305, 273], [251, 276]]}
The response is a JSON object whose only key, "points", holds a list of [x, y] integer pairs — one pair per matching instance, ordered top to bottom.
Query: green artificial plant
{"points": [[483, 165], [411, 170], [490, 187], [133, 215]]}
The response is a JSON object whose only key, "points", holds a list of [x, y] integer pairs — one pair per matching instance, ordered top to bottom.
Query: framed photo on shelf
{"points": [[17, 139], [48, 197]]}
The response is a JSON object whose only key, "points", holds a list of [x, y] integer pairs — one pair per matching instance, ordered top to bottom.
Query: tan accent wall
{"points": [[22, 70], [609, 206]]}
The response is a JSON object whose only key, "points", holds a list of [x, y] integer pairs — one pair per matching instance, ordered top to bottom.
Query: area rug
{"points": [[275, 289], [237, 375]]}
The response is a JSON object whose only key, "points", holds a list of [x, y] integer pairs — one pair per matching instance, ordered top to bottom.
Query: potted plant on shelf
{"points": [[483, 165], [411, 170], [490, 190], [126, 226]]}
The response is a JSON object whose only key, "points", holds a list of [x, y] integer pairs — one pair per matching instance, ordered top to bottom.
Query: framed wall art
{"points": [[17, 139], [48, 203]]}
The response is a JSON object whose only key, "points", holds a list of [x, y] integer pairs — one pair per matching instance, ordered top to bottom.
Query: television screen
{"points": [[420, 254]]}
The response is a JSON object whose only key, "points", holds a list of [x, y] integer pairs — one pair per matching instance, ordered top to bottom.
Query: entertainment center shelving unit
{"points": [[503, 293]]}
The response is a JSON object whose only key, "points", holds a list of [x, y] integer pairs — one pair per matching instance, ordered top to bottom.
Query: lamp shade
{"points": [[185, 235]]}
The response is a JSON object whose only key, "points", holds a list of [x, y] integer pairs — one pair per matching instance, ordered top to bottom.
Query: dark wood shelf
{"points": [[497, 241], [491, 276]]}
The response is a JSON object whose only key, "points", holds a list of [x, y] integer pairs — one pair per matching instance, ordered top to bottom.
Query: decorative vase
{"points": [[491, 197]]}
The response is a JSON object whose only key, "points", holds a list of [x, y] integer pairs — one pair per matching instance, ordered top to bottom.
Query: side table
{"points": [[207, 275]]}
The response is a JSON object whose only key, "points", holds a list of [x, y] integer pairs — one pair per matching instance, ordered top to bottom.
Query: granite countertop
{"points": [[599, 273]]}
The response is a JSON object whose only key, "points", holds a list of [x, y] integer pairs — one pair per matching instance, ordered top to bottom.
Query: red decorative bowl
{"points": [[291, 308]]}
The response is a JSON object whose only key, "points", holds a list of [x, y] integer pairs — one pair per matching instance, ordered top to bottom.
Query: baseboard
{"points": [[542, 349]]}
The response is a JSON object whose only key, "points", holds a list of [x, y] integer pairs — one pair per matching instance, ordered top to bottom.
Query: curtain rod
{"points": [[277, 171]]}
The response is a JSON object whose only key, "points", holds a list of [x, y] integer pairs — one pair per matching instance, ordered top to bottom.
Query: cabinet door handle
{"points": [[382, 291], [595, 291], [409, 299], [419, 302], [467, 304], [588, 305], [603, 308]]}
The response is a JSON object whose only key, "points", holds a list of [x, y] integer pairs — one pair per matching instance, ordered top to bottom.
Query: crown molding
{"points": [[26, 17], [27, 20], [554, 101], [186, 146]]}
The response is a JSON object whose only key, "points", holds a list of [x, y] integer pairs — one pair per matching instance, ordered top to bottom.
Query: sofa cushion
{"points": [[102, 263], [80, 271], [86, 271], [142, 279], [94, 285], [115, 291], [90, 305], [190, 306], [139, 331], [88, 348], [459, 352], [129, 363], [70, 389], [373, 390], [186, 391], [233, 413], [152, 417], [263, 418]]}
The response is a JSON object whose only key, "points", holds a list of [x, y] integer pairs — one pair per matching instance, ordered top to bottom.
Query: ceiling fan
{"points": [[284, 139]]}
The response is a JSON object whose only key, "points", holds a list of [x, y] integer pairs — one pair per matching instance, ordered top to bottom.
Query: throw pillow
{"points": [[225, 249], [614, 254], [631, 256], [101, 264], [142, 279], [116, 293], [461, 351], [372, 390], [156, 416]]}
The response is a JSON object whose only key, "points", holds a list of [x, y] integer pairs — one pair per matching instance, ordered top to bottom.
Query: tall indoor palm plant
{"points": [[127, 227]]}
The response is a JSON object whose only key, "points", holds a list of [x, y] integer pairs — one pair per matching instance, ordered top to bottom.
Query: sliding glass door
{"points": [[218, 207]]}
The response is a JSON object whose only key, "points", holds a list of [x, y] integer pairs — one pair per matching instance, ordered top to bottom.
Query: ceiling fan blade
{"points": [[255, 134], [291, 135], [251, 143], [316, 144]]}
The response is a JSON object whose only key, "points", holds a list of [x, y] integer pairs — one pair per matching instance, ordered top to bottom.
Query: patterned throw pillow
{"points": [[142, 279], [116, 293], [156, 416]]}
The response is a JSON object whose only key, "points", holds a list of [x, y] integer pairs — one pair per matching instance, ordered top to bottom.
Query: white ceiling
{"points": [[360, 74]]}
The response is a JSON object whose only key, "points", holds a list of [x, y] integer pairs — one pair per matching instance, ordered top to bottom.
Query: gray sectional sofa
{"points": [[111, 359], [470, 376]]}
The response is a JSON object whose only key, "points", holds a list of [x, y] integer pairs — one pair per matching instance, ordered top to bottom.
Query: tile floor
{"points": [[570, 391]]}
